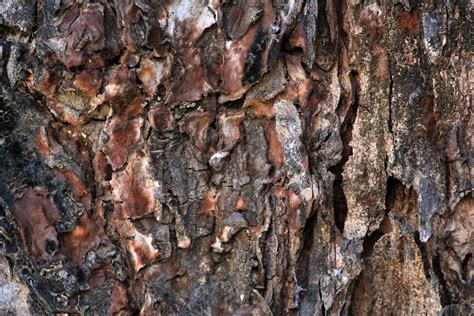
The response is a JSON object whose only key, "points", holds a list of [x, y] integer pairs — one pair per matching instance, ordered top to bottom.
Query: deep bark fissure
{"points": [[339, 198], [308, 241], [370, 241], [425, 257], [466, 266], [443, 289]]}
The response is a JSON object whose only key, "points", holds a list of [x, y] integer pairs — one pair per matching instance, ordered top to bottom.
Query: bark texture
{"points": [[256, 157]]}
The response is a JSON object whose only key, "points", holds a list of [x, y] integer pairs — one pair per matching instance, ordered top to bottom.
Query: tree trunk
{"points": [[236, 157]]}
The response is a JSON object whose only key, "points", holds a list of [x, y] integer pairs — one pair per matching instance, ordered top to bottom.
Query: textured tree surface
{"points": [[189, 157]]}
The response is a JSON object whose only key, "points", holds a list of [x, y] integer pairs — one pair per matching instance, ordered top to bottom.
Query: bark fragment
{"points": [[235, 157]]}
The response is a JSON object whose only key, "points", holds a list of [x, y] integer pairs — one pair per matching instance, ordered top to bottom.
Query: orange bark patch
{"points": [[409, 22], [297, 38], [383, 65], [233, 67], [152, 73], [119, 81], [88, 83], [47, 84], [193, 84], [300, 86], [134, 108], [260, 109], [65, 113], [161, 119], [197, 125], [230, 127], [124, 135], [42, 143], [275, 149], [133, 189], [80, 191], [209, 203], [241, 204], [294, 211], [36, 215], [76, 244], [139, 245], [118, 299]]}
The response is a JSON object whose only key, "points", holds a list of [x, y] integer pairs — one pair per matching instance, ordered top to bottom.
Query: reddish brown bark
{"points": [[236, 157]]}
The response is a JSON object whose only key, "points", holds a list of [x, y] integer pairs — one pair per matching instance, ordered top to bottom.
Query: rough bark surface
{"points": [[236, 157]]}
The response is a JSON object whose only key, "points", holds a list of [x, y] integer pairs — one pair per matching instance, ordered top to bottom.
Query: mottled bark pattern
{"points": [[236, 157]]}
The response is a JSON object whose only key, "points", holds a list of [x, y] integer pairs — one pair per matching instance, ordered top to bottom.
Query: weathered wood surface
{"points": [[236, 157]]}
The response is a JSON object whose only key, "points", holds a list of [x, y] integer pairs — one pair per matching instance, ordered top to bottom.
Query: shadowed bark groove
{"points": [[236, 157], [339, 198]]}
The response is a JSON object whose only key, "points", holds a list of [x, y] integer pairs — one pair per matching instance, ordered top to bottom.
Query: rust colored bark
{"points": [[236, 157]]}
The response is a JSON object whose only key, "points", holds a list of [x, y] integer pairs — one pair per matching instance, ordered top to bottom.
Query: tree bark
{"points": [[236, 157]]}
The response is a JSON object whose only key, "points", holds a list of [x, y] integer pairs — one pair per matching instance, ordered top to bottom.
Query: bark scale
{"points": [[236, 157]]}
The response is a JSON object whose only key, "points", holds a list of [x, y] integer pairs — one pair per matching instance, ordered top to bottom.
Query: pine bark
{"points": [[208, 157]]}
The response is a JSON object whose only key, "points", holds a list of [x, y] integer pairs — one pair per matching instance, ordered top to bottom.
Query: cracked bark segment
{"points": [[183, 15], [238, 16], [304, 34], [78, 36], [246, 60], [152, 73], [450, 77], [88, 83], [271, 85], [413, 108], [229, 123], [197, 127], [289, 129], [124, 135], [232, 157], [365, 165], [134, 189], [402, 219], [231, 226], [84, 237], [139, 245], [456, 251], [395, 259]]}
